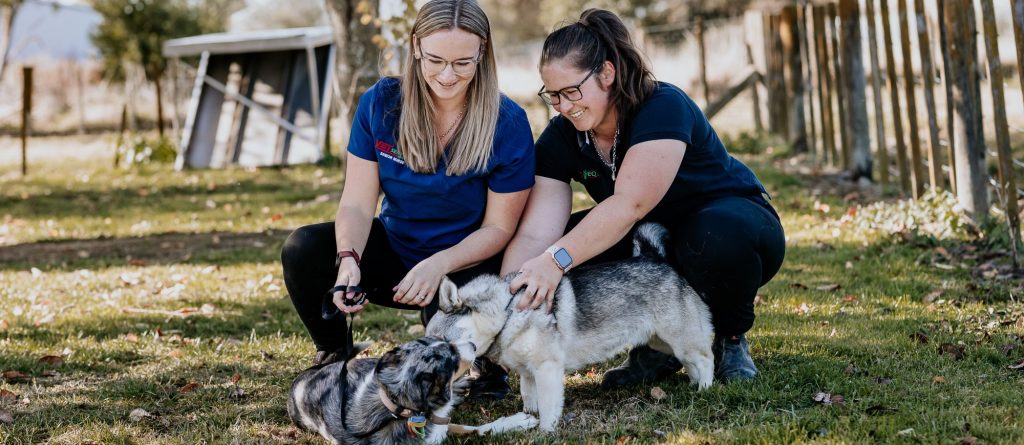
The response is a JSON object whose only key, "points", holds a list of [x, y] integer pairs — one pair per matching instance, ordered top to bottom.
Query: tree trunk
{"points": [[7, 13], [356, 63], [856, 84], [971, 177]]}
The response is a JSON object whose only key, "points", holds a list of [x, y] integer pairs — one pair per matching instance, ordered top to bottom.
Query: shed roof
{"points": [[249, 42]]}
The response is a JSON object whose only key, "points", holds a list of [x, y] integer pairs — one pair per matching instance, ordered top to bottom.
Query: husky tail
{"points": [[650, 241]]}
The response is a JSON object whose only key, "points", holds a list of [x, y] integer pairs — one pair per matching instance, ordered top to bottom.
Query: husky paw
{"points": [[531, 406], [515, 422]]}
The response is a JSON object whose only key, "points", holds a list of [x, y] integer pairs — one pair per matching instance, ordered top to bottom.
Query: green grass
{"points": [[113, 249]]}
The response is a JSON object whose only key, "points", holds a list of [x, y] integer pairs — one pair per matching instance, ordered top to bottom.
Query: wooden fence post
{"points": [[1018, 31], [698, 32], [790, 36], [805, 57], [928, 76], [946, 76], [840, 84], [856, 84], [824, 85], [876, 87], [894, 98], [26, 115], [758, 126], [917, 164], [971, 177], [1007, 182]]}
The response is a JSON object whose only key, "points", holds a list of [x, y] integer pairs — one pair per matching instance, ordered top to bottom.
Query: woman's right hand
{"points": [[348, 275]]}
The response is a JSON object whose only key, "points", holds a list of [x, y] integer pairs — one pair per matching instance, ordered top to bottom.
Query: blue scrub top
{"points": [[425, 213]]}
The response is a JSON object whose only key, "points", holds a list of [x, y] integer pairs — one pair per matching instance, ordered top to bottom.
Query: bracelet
{"points": [[350, 253]]}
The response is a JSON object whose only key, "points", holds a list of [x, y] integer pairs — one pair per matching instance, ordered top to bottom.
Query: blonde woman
{"points": [[454, 159]]}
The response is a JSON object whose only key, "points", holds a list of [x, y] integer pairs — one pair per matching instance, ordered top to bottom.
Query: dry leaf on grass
{"points": [[829, 287], [933, 295], [850, 298], [4, 325], [919, 337], [955, 351], [54, 360], [1019, 365], [15, 375], [236, 377], [938, 380], [189, 388], [236, 392], [658, 393], [7, 395], [138, 414], [6, 418], [905, 432], [623, 439], [968, 440]]}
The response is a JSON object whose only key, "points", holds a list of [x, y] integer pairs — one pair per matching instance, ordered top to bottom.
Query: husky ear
{"points": [[449, 296]]}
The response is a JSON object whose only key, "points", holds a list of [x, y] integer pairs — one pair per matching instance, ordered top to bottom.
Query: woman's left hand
{"points": [[541, 276], [420, 284]]}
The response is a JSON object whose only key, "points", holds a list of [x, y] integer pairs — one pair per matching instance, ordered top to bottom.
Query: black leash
{"points": [[328, 310]]}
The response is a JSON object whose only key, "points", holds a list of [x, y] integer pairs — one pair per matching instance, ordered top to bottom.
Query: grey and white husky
{"points": [[599, 311], [405, 396]]}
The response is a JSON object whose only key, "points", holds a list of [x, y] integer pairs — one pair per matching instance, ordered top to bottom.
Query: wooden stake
{"points": [[1018, 32], [790, 35], [805, 54], [824, 85], [840, 85], [894, 99], [856, 104], [26, 115], [758, 126], [950, 140], [882, 149], [917, 164], [935, 177], [972, 179], [1007, 182]]}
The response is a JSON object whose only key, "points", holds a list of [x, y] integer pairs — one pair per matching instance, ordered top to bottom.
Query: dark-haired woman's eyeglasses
{"points": [[460, 67], [572, 94]]}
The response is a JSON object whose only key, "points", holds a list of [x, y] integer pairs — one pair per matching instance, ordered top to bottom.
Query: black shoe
{"points": [[340, 354], [732, 359], [643, 365], [490, 382]]}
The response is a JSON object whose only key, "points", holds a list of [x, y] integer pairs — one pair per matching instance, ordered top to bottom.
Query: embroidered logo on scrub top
{"points": [[389, 151], [588, 174]]}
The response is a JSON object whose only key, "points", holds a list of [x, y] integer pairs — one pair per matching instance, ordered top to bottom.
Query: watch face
{"points": [[563, 258]]}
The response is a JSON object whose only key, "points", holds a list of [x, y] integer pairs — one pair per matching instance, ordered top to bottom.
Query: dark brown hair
{"points": [[600, 35]]}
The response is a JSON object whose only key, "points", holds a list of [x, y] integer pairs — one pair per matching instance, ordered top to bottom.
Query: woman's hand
{"points": [[348, 275], [541, 276], [420, 284]]}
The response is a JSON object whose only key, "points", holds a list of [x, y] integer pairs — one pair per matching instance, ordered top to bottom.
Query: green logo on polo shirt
{"points": [[587, 174]]}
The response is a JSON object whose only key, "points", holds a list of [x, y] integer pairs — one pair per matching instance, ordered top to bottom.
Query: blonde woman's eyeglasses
{"points": [[460, 67]]}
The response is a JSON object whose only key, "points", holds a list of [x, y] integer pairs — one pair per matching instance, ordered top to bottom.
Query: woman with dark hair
{"points": [[644, 151], [454, 159]]}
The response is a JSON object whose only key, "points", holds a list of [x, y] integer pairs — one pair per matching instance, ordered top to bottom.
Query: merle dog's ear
{"points": [[449, 301], [391, 359]]}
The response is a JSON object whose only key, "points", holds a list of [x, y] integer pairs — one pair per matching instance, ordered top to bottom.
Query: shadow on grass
{"points": [[222, 248]]}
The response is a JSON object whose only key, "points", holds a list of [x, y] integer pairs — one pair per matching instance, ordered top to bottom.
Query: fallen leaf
{"points": [[276, 217], [942, 251], [136, 263], [36, 273], [798, 286], [829, 287], [933, 295], [850, 298], [803, 309], [4, 325], [920, 337], [131, 338], [955, 351], [175, 353], [54, 360], [1018, 366], [850, 369], [50, 373], [14, 375], [236, 377], [883, 380], [939, 380], [189, 388], [236, 392], [658, 393], [7, 395], [823, 398], [138, 414], [6, 418], [905, 432], [623, 439], [968, 440]]}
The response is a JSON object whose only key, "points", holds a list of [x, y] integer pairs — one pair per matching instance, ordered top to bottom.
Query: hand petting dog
{"points": [[540, 276]]}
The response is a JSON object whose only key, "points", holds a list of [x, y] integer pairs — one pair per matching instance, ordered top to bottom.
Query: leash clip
{"points": [[327, 308]]}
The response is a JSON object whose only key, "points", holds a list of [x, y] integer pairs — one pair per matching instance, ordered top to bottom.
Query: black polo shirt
{"points": [[707, 171]]}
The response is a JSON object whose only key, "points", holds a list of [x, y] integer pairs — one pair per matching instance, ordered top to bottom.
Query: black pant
{"points": [[726, 248], [308, 261]]}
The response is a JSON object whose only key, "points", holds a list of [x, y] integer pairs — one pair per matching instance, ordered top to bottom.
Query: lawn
{"points": [[147, 306]]}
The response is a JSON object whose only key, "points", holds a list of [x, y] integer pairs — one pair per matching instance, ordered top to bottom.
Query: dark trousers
{"points": [[726, 248], [308, 261]]}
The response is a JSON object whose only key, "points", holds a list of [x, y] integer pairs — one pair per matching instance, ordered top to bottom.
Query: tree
{"points": [[8, 10], [133, 31]]}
